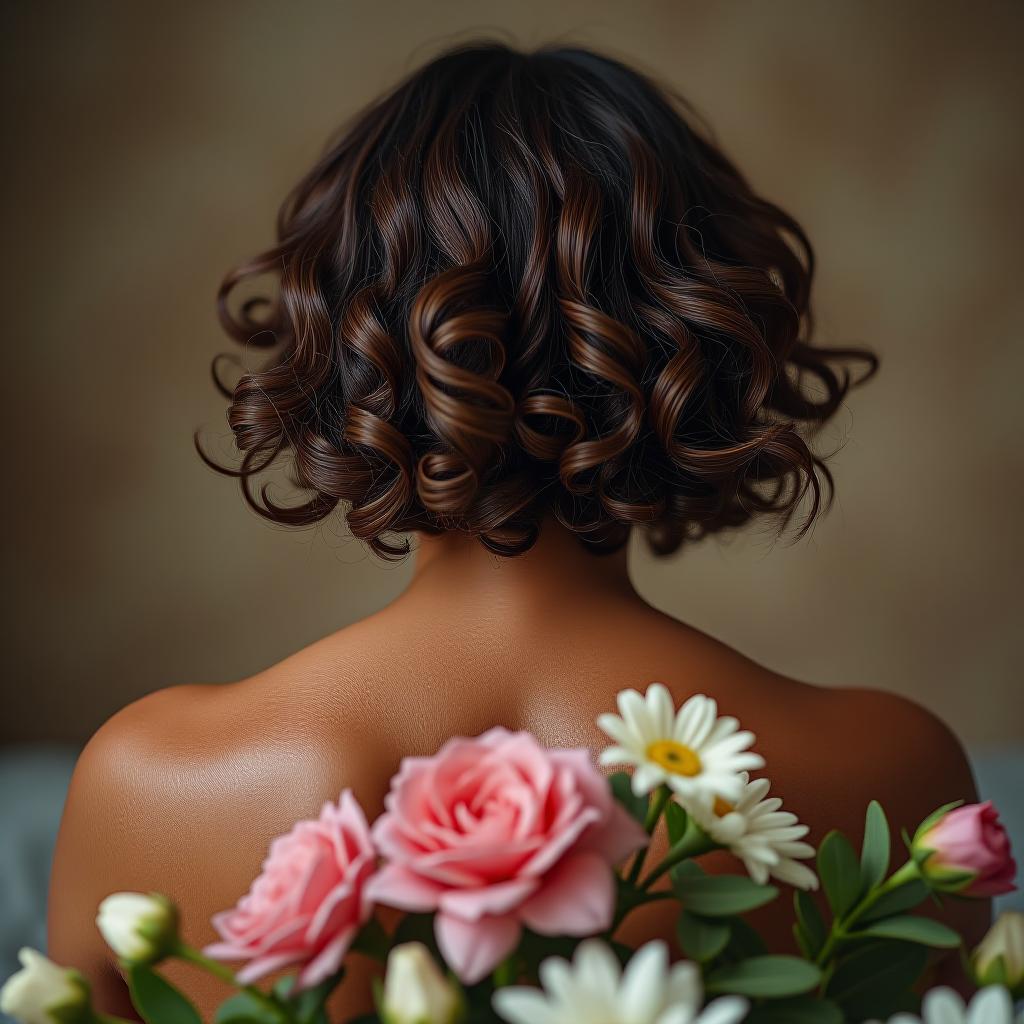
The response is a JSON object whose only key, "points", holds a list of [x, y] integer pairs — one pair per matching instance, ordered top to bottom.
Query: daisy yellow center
{"points": [[676, 758], [722, 807]]}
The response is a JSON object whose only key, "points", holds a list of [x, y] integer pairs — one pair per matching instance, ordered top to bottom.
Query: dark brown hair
{"points": [[523, 283]]}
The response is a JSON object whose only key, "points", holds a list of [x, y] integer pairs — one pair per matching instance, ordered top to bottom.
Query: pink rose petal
{"points": [[578, 898], [474, 948]]}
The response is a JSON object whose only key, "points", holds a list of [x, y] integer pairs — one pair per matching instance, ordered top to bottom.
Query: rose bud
{"points": [[966, 851], [139, 928], [999, 958], [415, 990], [44, 993]]}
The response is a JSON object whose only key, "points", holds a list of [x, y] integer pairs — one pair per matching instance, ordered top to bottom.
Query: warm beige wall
{"points": [[149, 146]]}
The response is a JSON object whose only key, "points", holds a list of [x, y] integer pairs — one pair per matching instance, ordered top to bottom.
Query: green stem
{"points": [[654, 812], [694, 843], [620, 914], [841, 927], [214, 967], [218, 970], [506, 972], [108, 1018]]}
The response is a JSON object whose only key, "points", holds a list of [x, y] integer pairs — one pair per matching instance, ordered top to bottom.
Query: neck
{"points": [[456, 567]]}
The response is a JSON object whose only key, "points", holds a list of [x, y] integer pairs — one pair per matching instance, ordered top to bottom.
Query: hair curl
{"points": [[523, 283]]}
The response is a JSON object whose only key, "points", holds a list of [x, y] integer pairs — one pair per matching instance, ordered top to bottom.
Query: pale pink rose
{"points": [[494, 833], [969, 840], [309, 902]]}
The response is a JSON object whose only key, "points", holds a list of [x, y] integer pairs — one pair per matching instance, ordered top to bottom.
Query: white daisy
{"points": [[696, 753], [765, 838], [594, 990], [992, 1005]]}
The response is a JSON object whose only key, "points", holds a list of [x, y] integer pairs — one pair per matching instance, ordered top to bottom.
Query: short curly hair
{"points": [[523, 284]]}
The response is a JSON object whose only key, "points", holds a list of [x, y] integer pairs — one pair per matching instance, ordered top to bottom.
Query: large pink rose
{"points": [[495, 833], [968, 841], [309, 902]]}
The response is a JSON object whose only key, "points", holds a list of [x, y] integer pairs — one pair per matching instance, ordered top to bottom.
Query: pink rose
{"points": [[495, 833], [969, 852], [309, 902]]}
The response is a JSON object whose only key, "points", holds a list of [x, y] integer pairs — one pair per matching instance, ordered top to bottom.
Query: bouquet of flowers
{"points": [[514, 865]]}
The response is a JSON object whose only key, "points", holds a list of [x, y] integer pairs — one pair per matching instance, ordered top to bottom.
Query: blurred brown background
{"points": [[148, 147]]}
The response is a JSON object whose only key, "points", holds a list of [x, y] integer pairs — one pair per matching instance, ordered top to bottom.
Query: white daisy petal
{"points": [[661, 708], [635, 714], [695, 721], [721, 729], [618, 730], [617, 755], [647, 777], [798, 850], [757, 871], [795, 874], [596, 968], [557, 979], [644, 984], [685, 988], [991, 1004], [520, 1005], [943, 1006], [727, 1010]]}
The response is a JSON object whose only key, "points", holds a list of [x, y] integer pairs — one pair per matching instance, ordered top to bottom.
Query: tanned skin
{"points": [[182, 791]]}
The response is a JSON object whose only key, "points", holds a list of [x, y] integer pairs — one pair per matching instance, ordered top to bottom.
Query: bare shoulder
{"points": [[899, 732], [162, 790]]}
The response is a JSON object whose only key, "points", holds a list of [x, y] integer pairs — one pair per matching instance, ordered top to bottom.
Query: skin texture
{"points": [[181, 791]]}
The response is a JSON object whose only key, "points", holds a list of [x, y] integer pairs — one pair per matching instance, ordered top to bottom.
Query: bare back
{"points": [[182, 791]]}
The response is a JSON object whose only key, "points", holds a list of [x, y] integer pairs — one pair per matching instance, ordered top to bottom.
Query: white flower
{"points": [[698, 754], [765, 838], [139, 928], [999, 957], [415, 990], [594, 990], [43, 993], [943, 1006]]}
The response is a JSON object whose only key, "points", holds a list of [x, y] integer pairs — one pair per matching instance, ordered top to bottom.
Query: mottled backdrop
{"points": [[147, 148]]}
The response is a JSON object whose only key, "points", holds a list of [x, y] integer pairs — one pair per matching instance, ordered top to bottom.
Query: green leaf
{"points": [[622, 790], [933, 818], [675, 821], [874, 853], [839, 871], [719, 895], [629, 896], [906, 897], [810, 921], [922, 930], [701, 940], [745, 941], [801, 942], [765, 976], [873, 979], [157, 1000], [243, 1008], [799, 1010]]}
